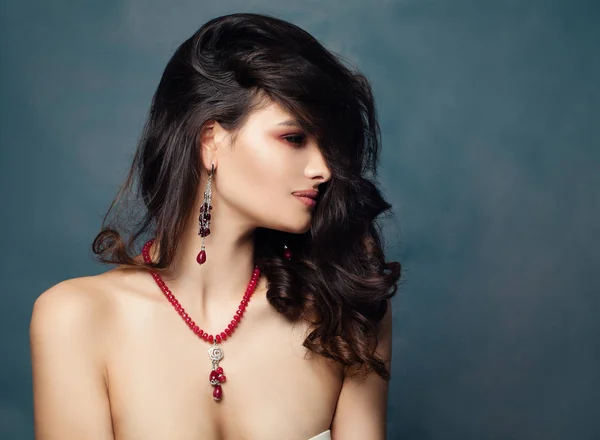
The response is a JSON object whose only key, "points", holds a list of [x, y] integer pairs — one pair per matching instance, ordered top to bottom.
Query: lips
{"points": [[310, 193]]}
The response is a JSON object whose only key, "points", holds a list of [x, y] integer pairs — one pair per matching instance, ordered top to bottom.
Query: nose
{"points": [[316, 168]]}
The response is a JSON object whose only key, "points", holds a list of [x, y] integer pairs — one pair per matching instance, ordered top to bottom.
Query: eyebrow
{"points": [[290, 123]]}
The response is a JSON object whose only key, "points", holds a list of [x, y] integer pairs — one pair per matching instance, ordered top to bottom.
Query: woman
{"points": [[258, 307]]}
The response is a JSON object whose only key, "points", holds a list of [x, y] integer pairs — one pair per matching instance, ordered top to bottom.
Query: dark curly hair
{"points": [[338, 280]]}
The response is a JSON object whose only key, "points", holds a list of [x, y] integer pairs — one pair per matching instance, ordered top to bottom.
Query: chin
{"points": [[290, 220], [293, 227], [296, 229], [303, 230]]}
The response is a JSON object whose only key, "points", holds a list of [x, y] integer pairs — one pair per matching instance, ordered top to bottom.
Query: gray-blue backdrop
{"points": [[490, 115]]}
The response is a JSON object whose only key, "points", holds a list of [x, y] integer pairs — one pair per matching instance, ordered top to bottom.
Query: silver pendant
{"points": [[216, 354], [216, 377]]}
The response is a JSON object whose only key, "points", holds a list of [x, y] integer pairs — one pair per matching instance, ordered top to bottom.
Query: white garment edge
{"points": [[325, 435]]}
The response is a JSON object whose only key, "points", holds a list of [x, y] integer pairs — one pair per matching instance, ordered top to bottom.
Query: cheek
{"points": [[265, 161], [264, 165], [256, 176], [257, 179]]}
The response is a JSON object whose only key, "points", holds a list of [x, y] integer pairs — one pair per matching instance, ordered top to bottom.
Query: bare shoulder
{"points": [[76, 301], [64, 304], [82, 304], [69, 343], [362, 405]]}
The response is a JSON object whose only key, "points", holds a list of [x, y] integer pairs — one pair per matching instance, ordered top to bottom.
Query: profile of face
{"points": [[257, 173]]}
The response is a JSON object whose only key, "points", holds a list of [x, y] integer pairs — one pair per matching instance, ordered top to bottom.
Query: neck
{"points": [[225, 274]]}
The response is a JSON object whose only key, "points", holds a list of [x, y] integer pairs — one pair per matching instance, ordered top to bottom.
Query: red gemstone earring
{"points": [[204, 218], [287, 253]]}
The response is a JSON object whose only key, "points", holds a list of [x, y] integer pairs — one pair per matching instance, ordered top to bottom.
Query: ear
{"points": [[212, 137]]}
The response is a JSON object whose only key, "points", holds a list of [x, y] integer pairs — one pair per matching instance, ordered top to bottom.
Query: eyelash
{"points": [[298, 135]]}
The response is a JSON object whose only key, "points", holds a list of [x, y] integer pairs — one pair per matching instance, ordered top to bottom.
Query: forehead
{"points": [[269, 112]]}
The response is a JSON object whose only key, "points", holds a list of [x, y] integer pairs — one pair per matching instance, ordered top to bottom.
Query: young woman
{"points": [[257, 303]]}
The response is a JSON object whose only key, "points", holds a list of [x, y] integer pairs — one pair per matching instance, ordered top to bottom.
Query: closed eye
{"points": [[297, 139]]}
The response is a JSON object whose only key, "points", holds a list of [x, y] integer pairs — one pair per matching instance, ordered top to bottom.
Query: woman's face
{"points": [[270, 159]]}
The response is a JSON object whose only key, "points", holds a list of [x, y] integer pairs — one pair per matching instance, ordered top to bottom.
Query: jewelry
{"points": [[204, 218], [287, 253], [215, 353]]}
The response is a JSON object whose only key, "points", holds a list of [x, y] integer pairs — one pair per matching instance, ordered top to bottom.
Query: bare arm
{"points": [[69, 388], [362, 404]]}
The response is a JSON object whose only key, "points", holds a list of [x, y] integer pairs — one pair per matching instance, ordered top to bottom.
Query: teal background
{"points": [[490, 113]]}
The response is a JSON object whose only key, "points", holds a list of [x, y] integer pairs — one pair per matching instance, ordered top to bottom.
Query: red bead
{"points": [[201, 258], [213, 376]]}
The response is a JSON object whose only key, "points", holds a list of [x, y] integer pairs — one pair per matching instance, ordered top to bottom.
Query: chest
{"points": [[158, 382]]}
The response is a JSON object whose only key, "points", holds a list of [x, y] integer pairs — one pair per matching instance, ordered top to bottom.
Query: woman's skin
{"points": [[113, 360]]}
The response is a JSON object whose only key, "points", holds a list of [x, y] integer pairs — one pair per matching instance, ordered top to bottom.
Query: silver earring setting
{"points": [[204, 218]]}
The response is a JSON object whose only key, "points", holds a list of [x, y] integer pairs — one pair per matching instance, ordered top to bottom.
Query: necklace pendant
{"points": [[215, 353], [216, 377]]}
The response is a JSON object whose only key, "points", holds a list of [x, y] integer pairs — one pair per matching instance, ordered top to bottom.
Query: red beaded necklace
{"points": [[215, 352]]}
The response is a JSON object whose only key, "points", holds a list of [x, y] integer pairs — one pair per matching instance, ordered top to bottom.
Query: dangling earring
{"points": [[204, 218], [287, 253]]}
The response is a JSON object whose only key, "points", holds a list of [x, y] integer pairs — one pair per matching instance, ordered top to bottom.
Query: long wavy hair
{"points": [[338, 280]]}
